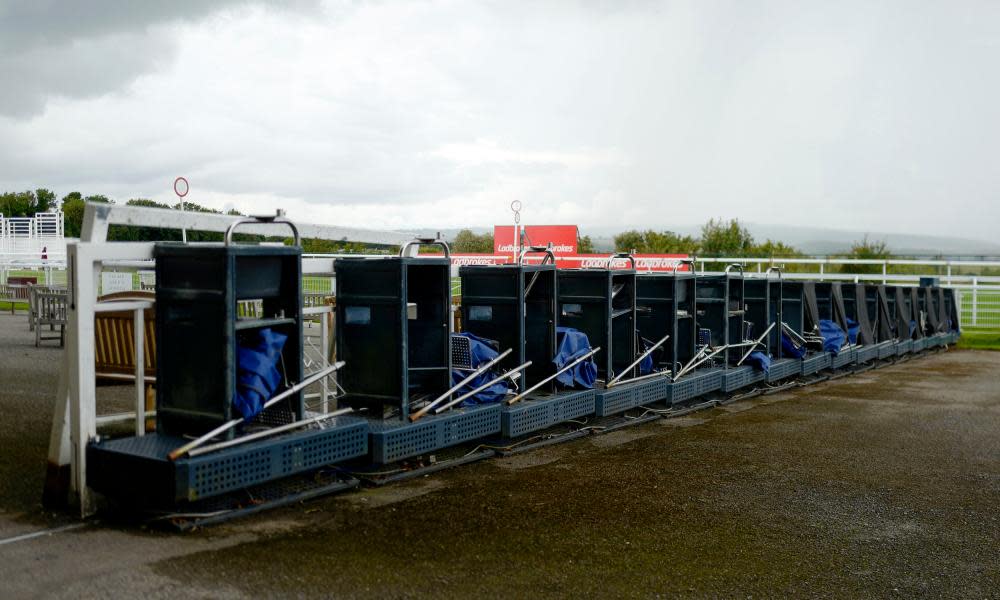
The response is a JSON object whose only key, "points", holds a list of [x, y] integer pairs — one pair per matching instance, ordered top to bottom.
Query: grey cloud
{"points": [[50, 48]]}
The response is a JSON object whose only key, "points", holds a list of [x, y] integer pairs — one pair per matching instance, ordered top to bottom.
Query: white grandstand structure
{"points": [[32, 243]]}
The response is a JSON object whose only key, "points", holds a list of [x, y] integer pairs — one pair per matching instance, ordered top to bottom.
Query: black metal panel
{"points": [[913, 301], [601, 304], [856, 304], [666, 305], [793, 305], [516, 306], [764, 306], [721, 310], [879, 314], [198, 330], [391, 358]]}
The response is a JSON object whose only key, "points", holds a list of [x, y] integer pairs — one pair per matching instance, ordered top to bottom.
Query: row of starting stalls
{"points": [[543, 355]]}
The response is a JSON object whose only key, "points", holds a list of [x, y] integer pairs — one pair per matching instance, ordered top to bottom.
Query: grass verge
{"points": [[979, 340]]}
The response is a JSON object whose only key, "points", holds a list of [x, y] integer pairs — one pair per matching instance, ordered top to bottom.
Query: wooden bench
{"points": [[33, 292], [14, 293], [50, 309], [114, 336], [114, 346]]}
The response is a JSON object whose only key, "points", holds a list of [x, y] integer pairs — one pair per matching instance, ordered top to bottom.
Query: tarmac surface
{"points": [[884, 483]]}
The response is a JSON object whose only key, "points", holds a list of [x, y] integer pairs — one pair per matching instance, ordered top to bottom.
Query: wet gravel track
{"points": [[879, 484]]}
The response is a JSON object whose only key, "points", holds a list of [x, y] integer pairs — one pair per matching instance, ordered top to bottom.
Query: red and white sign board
{"points": [[562, 238], [644, 263]]}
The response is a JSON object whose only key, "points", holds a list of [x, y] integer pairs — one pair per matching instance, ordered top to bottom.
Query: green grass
{"points": [[5, 306], [979, 341]]}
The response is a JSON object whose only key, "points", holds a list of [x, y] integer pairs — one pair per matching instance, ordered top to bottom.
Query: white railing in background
{"points": [[980, 293]]}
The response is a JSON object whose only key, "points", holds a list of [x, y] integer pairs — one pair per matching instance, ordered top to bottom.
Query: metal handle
{"points": [[279, 217], [426, 242], [547, 250], [621, 255], [683, 261], [734, 266], [775, 269]]}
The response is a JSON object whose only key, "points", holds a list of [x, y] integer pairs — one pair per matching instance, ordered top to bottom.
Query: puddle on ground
{"points": [[682, 422], [617, 438], [532, 458], [392, 494]]}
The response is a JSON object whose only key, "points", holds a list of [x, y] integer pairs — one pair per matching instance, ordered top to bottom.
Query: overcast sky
{"points": [[876, 116]]}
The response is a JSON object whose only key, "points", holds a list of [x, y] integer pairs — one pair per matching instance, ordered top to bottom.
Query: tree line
{"points": [[27, 203], [718, 236]]}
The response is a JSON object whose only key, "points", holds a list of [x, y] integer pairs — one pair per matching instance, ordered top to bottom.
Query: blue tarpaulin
{"points": [[913, 327], [852, 330], [833, 336], [570, 345], [790, 349], [482, 351], [759, 361], [646, 364], [257, 376]]}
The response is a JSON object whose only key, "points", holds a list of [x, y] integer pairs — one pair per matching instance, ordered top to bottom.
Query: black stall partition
{"points": [[601, 304], [856, 304], [515, 305], [665, 305], [393, 331]]}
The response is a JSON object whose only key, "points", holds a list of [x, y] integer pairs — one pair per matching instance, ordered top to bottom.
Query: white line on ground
{"points": [[35, 534]]}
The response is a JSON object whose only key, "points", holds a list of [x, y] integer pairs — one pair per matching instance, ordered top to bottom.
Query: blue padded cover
{"points": [[570, 345], [257, 375]]}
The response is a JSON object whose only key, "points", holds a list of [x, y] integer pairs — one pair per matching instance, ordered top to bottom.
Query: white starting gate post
{"points": [[75, 420]]}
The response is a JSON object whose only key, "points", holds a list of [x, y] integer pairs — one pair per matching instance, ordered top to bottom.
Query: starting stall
{"points": [[514, 306], [856, 306], [234, 311], [882, 319], [761, 332], [394, 334]]}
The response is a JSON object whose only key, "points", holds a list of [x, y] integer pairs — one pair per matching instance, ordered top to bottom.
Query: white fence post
{"points": [[885, 272], [975, 298]]}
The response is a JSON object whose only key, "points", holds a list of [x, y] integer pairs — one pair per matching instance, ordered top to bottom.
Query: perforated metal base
{"points": [[886, 349], [865, 354], [845, 358], [815, 363], [783, 368], [737, 378], [694, 385], [630, 395], [535, 414], [393, 440], [137, 468]]}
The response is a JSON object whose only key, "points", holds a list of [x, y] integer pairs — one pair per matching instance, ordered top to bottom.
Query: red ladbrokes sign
{"points": [[562, 238]]}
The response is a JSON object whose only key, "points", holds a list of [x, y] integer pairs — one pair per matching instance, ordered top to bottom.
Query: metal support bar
{"points": [[755, 344], [637, 361], [690, 366], [479, 371], [554, 375], [494, 381], [233, 423], [267, 432]]}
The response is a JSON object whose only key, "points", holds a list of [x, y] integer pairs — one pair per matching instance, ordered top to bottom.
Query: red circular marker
{"points": [[181, 187]]}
